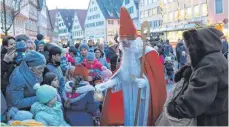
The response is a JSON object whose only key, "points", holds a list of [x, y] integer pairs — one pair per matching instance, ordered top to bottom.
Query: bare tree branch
{"points": [[14, 11]]}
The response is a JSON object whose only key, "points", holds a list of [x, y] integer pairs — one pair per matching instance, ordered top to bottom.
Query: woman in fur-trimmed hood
{"points": [[206, 97], [79, 102]]}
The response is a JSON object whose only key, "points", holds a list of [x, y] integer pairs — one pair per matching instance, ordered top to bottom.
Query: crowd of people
{"points": [[54, 86]]}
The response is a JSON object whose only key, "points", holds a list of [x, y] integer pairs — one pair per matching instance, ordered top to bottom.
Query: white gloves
{"points": [[141, 83]]}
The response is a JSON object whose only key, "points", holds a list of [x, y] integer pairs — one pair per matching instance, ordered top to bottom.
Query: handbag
{"points": [[165, 119]]}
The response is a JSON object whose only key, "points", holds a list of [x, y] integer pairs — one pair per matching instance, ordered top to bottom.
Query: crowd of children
{"points": [[49, 85]]}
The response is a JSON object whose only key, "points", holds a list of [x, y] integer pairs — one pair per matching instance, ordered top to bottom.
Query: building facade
{"points": [[133, 9], [150, 10], [182, 15], [218, 15], [102, 20], [42, 23], [63, 23], [31, 24], [16, 26], [78, 32]]}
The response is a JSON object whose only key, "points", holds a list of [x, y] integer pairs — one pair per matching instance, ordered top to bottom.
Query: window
{"points": [[150, 1], [92, 2], [127, 2], [146, 2], [218, 6], [95, 8], [131, 10], [158, 10], [204, 10], [155, 11], [196, 11], [150, 12], [146, 13], [189, 13], [141, 14], [181, 15], [176, 16], [171, 17], [165, 18], [151, 24]]}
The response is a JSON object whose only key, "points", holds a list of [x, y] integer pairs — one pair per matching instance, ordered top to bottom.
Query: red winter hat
{"points": [[127, 28]]}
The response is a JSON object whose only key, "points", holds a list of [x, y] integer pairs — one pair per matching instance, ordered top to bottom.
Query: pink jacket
{"points": [[70, 59], [162, 59], [95, 65]]}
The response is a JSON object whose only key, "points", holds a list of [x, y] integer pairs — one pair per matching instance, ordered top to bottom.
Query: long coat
{"points": [[20, 92], [155, 95], [206, 97]]}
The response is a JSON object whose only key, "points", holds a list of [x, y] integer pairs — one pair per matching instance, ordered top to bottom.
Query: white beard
{"points": [[130, 63]]}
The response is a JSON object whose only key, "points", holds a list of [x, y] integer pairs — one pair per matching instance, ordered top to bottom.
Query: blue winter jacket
{"points": [[59, 73], [20, 92], [49, 116]]}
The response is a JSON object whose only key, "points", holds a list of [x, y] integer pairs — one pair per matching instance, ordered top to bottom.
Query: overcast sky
{"points": [[68, 4]]}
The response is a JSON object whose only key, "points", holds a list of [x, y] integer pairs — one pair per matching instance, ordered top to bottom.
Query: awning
{"points": [[190, 26], [180, 27], [172, 28], [163, 29]]}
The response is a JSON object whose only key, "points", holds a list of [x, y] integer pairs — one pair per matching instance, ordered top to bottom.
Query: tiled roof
{"points": [[136, 2], [110, 8], [81, 14], [68, 15], [53, 16]]}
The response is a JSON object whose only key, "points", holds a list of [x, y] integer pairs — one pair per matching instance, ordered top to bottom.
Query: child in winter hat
{"points": [[83, 46], [20, 51], [93, 65], [51, 79], [47, 110]]}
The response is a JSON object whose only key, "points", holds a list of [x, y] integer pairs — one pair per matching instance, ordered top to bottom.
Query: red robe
{"points": [[113, 109]]}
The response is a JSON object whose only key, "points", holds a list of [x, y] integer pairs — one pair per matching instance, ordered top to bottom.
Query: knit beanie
{"points": [[41, 42], [83, 45], [21, 46], [54, 50], [91, 56], [33, 58], [82, 71], [45, 93], [15, 114]]}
